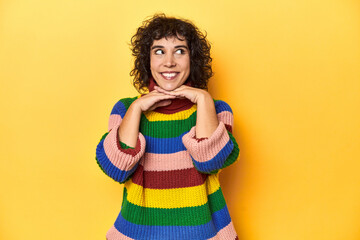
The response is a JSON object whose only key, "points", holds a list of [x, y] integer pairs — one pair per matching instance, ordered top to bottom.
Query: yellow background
{"points": [[290, 70]]}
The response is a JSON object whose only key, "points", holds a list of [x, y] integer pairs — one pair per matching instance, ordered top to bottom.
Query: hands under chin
{"points": [[193, 94]]}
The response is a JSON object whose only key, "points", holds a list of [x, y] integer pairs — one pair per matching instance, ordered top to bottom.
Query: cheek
{"points": [[153, 62], [186, 64]]}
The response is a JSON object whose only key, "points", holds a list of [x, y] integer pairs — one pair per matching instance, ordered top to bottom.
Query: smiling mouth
{"points": [[169, 75]]}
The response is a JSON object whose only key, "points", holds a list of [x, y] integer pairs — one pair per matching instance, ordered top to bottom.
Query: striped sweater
{"points": [[171, 178]]}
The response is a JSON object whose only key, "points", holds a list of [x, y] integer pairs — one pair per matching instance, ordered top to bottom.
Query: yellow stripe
{"points": [[155, 116], [212, 183], [174, 197]]}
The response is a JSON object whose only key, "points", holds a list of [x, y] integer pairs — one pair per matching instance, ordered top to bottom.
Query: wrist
{"points": [[204, 97], [135, 107]]}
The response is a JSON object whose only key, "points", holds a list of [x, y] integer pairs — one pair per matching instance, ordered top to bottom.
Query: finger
{"points": [[182, 87], [159, 90], [165, 91], [172, 93], [176, 93], [157, 94], [166, 96], [163, 97], [163, 103], [160, 104]]}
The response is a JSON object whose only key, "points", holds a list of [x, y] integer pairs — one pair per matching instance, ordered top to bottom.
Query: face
{"points": [[170, 62]]}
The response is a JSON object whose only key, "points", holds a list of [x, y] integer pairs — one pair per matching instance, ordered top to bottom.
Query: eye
{"points": [[159, 51], [180, 51]]}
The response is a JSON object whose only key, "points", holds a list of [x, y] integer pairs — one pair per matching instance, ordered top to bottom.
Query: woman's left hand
{"points": [[184, 91], [206, 117]]}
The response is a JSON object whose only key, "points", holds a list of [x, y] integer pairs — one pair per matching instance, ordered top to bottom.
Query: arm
{"points": [[206, 118], [212, 150], [113, 157], [120, 159]]}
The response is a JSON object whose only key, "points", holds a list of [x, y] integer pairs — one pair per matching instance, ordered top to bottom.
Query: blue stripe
{"points": [[222, 106], [119, 108], [164, 145], [217, 161], [109, 168], [220, 219]]}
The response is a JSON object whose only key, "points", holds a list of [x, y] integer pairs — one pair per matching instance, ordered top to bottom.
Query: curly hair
{"points": [[159, 26]]}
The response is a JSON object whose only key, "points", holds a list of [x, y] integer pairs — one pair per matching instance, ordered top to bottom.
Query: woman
{"points": [[168, 146]]}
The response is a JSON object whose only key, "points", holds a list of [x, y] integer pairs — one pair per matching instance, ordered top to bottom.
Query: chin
{"points": [[169, 86]]}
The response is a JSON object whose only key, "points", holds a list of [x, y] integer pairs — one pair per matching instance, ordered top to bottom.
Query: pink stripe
{"points": [[226, 117], [114, 120], [206, 149], [118, 158], [164, 162], [227, 233], [114, 234]]}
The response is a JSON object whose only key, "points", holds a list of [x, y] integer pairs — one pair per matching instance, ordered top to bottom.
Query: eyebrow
{"points": [[160, 46]]}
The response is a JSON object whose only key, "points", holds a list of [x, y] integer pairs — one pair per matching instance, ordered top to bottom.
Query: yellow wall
{"points": [[289, 69]]}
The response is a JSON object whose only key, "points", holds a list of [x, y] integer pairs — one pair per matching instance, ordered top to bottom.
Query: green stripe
{"points": [[128, 101], [167, 129], [104, 136], [124, 146], [234, 153], [216, 201], [187, 216]]}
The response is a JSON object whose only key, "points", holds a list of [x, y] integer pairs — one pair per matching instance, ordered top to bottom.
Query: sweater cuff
{"points": [[200, 139], [125, 148], [203, 150], [124, 159]]}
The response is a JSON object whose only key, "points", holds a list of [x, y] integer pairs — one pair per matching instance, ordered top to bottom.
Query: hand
{"points": [[184, 91], [153, 100], [206, 117]]}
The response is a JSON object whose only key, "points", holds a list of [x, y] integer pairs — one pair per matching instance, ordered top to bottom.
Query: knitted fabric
{"points": [[171, 179]]}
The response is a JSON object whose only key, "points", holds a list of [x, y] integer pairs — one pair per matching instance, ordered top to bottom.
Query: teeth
{"points": [[169, 75]]}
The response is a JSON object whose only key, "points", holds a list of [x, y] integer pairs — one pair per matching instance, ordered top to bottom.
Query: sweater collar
{"points": [[177, 104]]}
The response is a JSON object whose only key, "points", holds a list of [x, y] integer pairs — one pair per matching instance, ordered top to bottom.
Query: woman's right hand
{"points": [[153, 100]]}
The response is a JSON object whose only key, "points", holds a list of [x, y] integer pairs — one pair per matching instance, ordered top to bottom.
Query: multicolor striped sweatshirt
{"points": [[171, 178]]}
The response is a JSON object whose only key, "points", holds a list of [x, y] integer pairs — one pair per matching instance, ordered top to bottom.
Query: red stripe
{"points": [[228, 127], [200, 139], [131, 151], [168, 179]]}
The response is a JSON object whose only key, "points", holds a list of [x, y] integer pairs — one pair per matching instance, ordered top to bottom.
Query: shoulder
{"points": [[122, 105], [222, 106], [224, 113]]}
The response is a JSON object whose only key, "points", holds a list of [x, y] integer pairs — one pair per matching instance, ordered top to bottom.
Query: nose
{"points": [[169, 61]]}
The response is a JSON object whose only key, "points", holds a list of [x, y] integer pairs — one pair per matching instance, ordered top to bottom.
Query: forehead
{"points": [[170, 41]]}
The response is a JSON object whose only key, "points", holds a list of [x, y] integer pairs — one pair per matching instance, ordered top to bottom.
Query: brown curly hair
{"points": [[159, 26]]}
